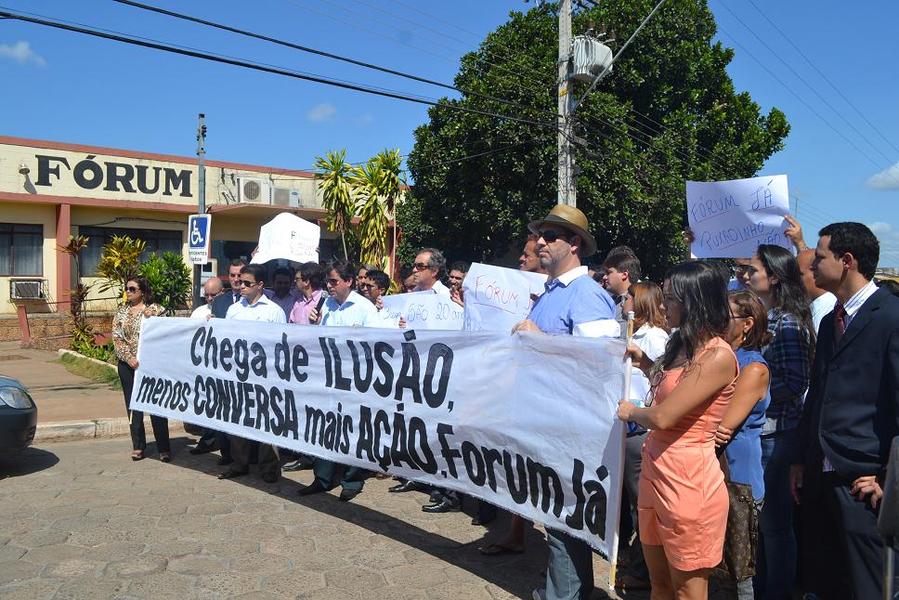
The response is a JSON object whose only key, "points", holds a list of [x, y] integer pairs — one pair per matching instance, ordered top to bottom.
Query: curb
{"points": [[66, 351], [67, 431]]}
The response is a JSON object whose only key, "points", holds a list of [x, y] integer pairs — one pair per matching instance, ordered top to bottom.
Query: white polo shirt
{"points": [[263, 310]]}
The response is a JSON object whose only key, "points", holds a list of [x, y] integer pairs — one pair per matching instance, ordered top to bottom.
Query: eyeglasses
{"points": [[550, 236], [421, 266], [300, 279], [333, 281], [245, 283], [369, 286], [132, 289], [211, 295]]}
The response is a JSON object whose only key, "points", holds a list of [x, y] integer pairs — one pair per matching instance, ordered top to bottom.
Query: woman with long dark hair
{"points": [[773, 274], [125, 335], [741, 427], [683, 501]]}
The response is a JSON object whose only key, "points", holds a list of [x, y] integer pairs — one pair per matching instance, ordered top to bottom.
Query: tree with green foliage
{"points": [[667, 113], [334, 181], [377, 186], [119, 260], [170, 280]]}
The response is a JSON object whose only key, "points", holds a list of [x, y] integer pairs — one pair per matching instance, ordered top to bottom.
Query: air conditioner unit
{"points": [[591, 58], [253, 191], [285, 197], [27, 289]]}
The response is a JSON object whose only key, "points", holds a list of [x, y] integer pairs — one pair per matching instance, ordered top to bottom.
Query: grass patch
{"points": [[91, 370]]}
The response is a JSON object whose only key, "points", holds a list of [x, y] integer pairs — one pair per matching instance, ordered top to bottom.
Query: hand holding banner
{"points": [[729, 219]]}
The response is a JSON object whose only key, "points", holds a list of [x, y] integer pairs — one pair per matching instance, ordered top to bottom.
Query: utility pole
{"points": [[567, 192], [201, 196]]}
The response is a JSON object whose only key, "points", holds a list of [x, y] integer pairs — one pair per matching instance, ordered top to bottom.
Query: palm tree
{"points": [[378, 187], [337, 193]]}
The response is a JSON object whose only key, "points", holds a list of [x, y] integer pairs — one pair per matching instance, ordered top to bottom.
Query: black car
{"points": [[18, 417]]}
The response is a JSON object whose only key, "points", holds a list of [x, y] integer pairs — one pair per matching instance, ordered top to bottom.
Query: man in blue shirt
{"points": [[573, 304]]}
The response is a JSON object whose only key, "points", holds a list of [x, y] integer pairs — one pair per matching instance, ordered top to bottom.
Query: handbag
{"points": [[741, 538]]}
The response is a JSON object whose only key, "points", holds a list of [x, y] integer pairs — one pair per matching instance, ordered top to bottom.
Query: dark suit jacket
{"points": [[221, 304], [852, 408]]}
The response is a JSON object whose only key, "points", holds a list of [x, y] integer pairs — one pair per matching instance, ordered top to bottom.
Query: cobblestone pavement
{"points": [[81, 520]]}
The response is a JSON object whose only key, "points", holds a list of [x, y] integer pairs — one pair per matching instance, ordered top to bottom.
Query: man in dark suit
{"points": [[221, 304], [850, 419]]}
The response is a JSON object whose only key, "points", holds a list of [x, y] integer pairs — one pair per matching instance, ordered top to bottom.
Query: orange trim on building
{"points": [[187, 160], [97, 202]]}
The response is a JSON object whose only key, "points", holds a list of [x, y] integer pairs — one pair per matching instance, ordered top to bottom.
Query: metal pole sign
{"points": [[199, 231]]}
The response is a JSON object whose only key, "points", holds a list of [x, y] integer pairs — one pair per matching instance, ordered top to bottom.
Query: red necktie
{"points": [[839, 321]]}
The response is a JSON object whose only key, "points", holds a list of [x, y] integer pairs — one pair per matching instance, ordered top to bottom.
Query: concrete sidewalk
{"points": [[69, 407]]}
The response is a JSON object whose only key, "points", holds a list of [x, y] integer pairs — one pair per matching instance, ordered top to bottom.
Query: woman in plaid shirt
{"points": [[773, 274]]}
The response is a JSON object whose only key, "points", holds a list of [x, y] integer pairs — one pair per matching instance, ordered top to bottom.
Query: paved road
{"points": [[81, 520]]}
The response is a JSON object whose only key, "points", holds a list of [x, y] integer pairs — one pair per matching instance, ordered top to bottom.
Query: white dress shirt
{"points": [[438, 288], [821, 307], [262, 310], [356, 311], [201, 312]]}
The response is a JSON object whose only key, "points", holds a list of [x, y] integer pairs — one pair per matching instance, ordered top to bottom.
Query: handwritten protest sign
{"points": [[729, 219], [288, 237], [497, 298], [424, 310], [526, 422]]}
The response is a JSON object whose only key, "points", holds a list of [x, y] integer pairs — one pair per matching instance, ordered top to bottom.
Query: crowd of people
{"points": [[776, 375]]}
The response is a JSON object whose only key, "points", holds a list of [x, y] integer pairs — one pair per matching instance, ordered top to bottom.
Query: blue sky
{"points": [[67, 87]]}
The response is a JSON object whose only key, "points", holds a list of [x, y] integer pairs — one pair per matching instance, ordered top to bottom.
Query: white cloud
{"points": [[22, 53], [321, 112], [365, 120], [888, 179], [880, 228]]}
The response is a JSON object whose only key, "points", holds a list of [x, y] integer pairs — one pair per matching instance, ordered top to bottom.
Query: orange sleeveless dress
{"points": [[682, 500]]}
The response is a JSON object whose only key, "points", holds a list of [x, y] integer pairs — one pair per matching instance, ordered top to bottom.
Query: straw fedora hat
{"points": [[572, 219]]}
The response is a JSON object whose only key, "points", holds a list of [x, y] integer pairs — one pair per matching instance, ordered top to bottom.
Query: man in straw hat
{"points": [[573, 304]]}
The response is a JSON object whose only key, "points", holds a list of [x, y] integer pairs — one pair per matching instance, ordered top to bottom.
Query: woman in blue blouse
{"points": [[774, 275], [741, 427]]}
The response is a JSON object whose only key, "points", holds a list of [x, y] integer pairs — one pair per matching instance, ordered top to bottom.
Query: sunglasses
{"points": [[550, 236], [421, 266], [245, 283], [132, 289]]}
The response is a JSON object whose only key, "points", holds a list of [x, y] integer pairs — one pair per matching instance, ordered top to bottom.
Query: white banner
{"points": [[729, 219], [288, 237], [497, 298], [424, 310], [526, 422]]}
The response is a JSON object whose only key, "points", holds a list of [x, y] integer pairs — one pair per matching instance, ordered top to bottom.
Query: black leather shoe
{"points": [[201, 449], [297, 465], [232, 473], [270, 477], [406, 486], [314, 488], [347, 495], [443, 506]]}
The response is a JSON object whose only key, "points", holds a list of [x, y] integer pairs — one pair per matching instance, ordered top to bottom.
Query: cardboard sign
{"points": [[730, 219], [288, 237], [497, 298]]}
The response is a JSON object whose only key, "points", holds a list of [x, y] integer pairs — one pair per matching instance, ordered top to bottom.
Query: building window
{"points": [[158, 241], [21, 250]]}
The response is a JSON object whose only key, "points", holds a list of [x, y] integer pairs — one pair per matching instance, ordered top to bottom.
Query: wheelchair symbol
{"points": [[196, 238]]}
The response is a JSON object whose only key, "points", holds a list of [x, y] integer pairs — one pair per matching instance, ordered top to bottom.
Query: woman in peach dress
{"points": [[683, 501]]}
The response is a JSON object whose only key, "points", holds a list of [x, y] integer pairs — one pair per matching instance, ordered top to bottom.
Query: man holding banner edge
{"points": [[573, 304]]}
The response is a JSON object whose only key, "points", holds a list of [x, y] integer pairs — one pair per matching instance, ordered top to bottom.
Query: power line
{"points": [[312, 50], [269, 69], [825, 77], [803, 80], [801, 99]]}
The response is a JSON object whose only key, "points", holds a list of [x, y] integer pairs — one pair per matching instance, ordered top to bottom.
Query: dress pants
{"points": [[136, 417], [242, 450], [351, 478], [776, 561], [569, 575]]}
